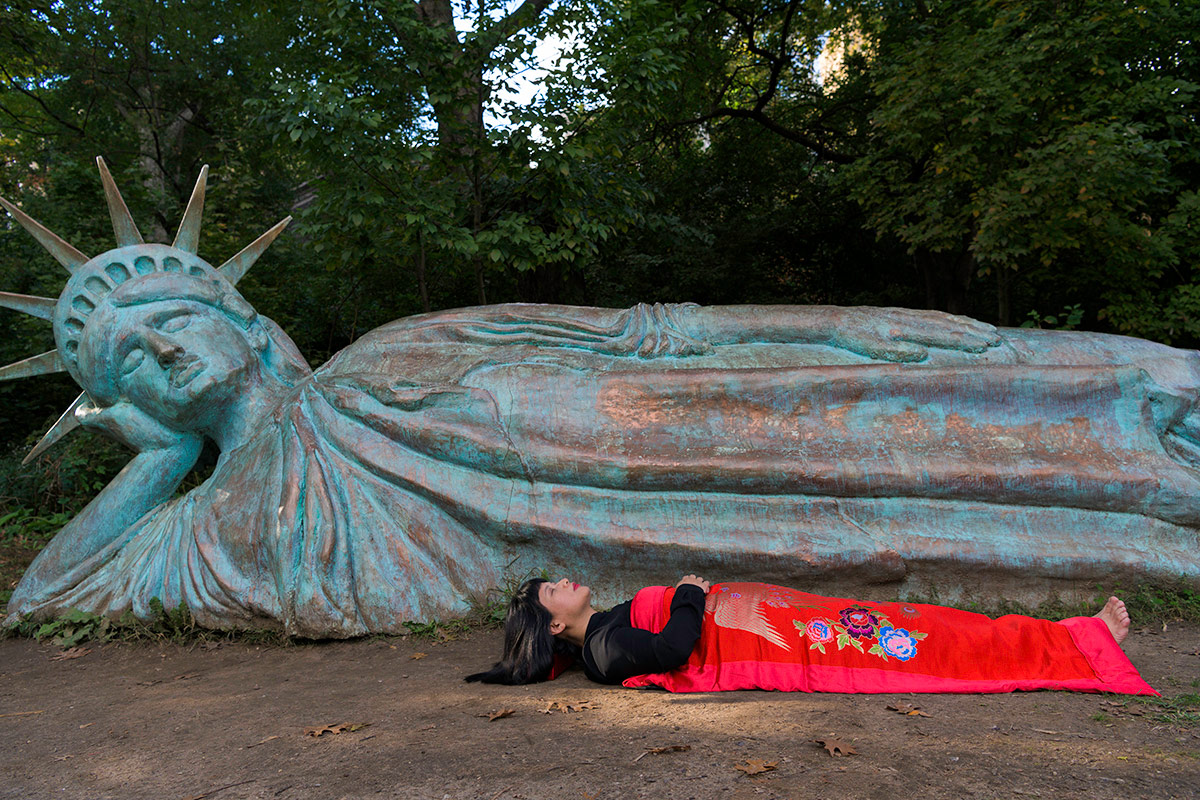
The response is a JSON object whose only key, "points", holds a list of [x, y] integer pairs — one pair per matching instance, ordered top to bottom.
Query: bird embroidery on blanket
{"points": [[739, 606]]}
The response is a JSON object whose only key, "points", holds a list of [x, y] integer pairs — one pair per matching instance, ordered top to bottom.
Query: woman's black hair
{"points": [[529, 647]]}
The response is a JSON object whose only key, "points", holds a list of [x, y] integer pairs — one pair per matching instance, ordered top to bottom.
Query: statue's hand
{"points": [[901, 334], [135, 428]]}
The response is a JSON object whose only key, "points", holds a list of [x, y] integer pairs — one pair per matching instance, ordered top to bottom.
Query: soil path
{"points": [[129, 721]]}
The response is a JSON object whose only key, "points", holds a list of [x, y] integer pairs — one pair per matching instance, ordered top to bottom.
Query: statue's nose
{"points": [[166, 351]]}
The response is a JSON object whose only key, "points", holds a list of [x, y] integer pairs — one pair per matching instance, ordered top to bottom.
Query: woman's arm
{"points": [[165, 456], [622, 652]]}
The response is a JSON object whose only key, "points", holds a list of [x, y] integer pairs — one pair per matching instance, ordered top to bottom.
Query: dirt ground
{"points": [[228, 720]]}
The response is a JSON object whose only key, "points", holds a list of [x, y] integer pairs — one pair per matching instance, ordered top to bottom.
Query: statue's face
{"points": [[179, 360]]}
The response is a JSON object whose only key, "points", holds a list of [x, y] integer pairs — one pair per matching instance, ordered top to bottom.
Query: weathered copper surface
{"points": [[815, 446]]}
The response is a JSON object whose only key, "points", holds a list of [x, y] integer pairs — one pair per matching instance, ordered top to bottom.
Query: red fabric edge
{"points": [[1105, 656], [562, 663], [818, 678]]}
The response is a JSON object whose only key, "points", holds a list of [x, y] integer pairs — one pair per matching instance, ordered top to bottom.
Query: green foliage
{"points": [[1039, 145], [1067, 320], [24, 526], [1168, 601], [74, 627]]}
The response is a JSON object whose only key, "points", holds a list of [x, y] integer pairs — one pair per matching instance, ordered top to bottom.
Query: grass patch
{"points": [[1174, 601], [74, 627], [1183, 711]]}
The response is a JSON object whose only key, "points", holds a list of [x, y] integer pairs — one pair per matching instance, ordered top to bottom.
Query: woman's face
{"points": [[178, 360], [564, 600]]}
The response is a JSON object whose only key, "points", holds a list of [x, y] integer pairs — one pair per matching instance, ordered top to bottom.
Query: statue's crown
{"points": [[94, 280]]}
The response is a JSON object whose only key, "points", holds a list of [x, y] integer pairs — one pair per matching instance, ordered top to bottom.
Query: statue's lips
{"points": [[184, 370]]}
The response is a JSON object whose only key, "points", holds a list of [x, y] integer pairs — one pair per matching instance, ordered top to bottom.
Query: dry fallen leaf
{"points": [[75, 652], [416, 656], [563, 706], [908, 710], [501, 714], [341, 727], [263, 741], [836, 747], [670, 748], [658, 751], [753, 766]]}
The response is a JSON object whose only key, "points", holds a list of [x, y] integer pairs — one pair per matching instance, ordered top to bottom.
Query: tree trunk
{"points": [[947, 278], [422, 286], [1003, 300]]}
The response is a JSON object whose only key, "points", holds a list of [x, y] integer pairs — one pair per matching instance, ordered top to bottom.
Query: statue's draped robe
{"points": [[415, 467]]}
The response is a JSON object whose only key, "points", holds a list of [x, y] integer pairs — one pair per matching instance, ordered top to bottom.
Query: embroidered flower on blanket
{"points": [[859, 622], [856, 627], [819, 631], [897, 643]]}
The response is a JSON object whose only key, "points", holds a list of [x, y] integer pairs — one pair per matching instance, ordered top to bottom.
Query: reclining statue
{"points": [[818, 446]]}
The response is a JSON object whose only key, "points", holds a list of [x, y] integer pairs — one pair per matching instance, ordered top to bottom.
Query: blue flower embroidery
{"points": [[897, 643]]}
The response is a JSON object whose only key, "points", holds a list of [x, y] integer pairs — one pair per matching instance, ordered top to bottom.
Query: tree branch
{"points": [[517, 20], [14, 83], [792, 135]]}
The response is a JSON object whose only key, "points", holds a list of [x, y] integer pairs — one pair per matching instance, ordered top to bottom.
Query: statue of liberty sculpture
{"points": [[817, 446]]}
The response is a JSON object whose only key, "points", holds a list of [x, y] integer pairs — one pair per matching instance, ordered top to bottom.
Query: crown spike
{"points": [[122, 221], [188, 238], [63, 252], [235, 268], [40, 307], [45, 364], [65, 424]]}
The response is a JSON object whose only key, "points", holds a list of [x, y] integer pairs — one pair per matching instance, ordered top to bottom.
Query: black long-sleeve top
{"points": [[614, 650]]}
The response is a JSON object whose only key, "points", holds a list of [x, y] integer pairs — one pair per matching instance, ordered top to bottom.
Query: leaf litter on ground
{"points": [[78, 651], [565, 706], [908, 710], [492, 716], [339, 727], [836, 747], [658, 751], [754, 766]]}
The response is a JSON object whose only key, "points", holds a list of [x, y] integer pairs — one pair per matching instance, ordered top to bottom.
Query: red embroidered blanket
{"points": [[758, 636]]}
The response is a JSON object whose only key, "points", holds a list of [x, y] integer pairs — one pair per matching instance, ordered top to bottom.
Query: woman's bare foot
{"points": [[1116, 618]]}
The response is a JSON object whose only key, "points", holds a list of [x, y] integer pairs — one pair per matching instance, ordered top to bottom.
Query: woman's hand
{"points": [[135, 428], [694, 581]]}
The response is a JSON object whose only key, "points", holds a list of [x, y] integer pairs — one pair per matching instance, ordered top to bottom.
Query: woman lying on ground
{"points": [[697, 637]]}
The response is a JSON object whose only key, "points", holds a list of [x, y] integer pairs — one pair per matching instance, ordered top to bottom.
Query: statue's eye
{"points": [[175, 323], [133, 360]]}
